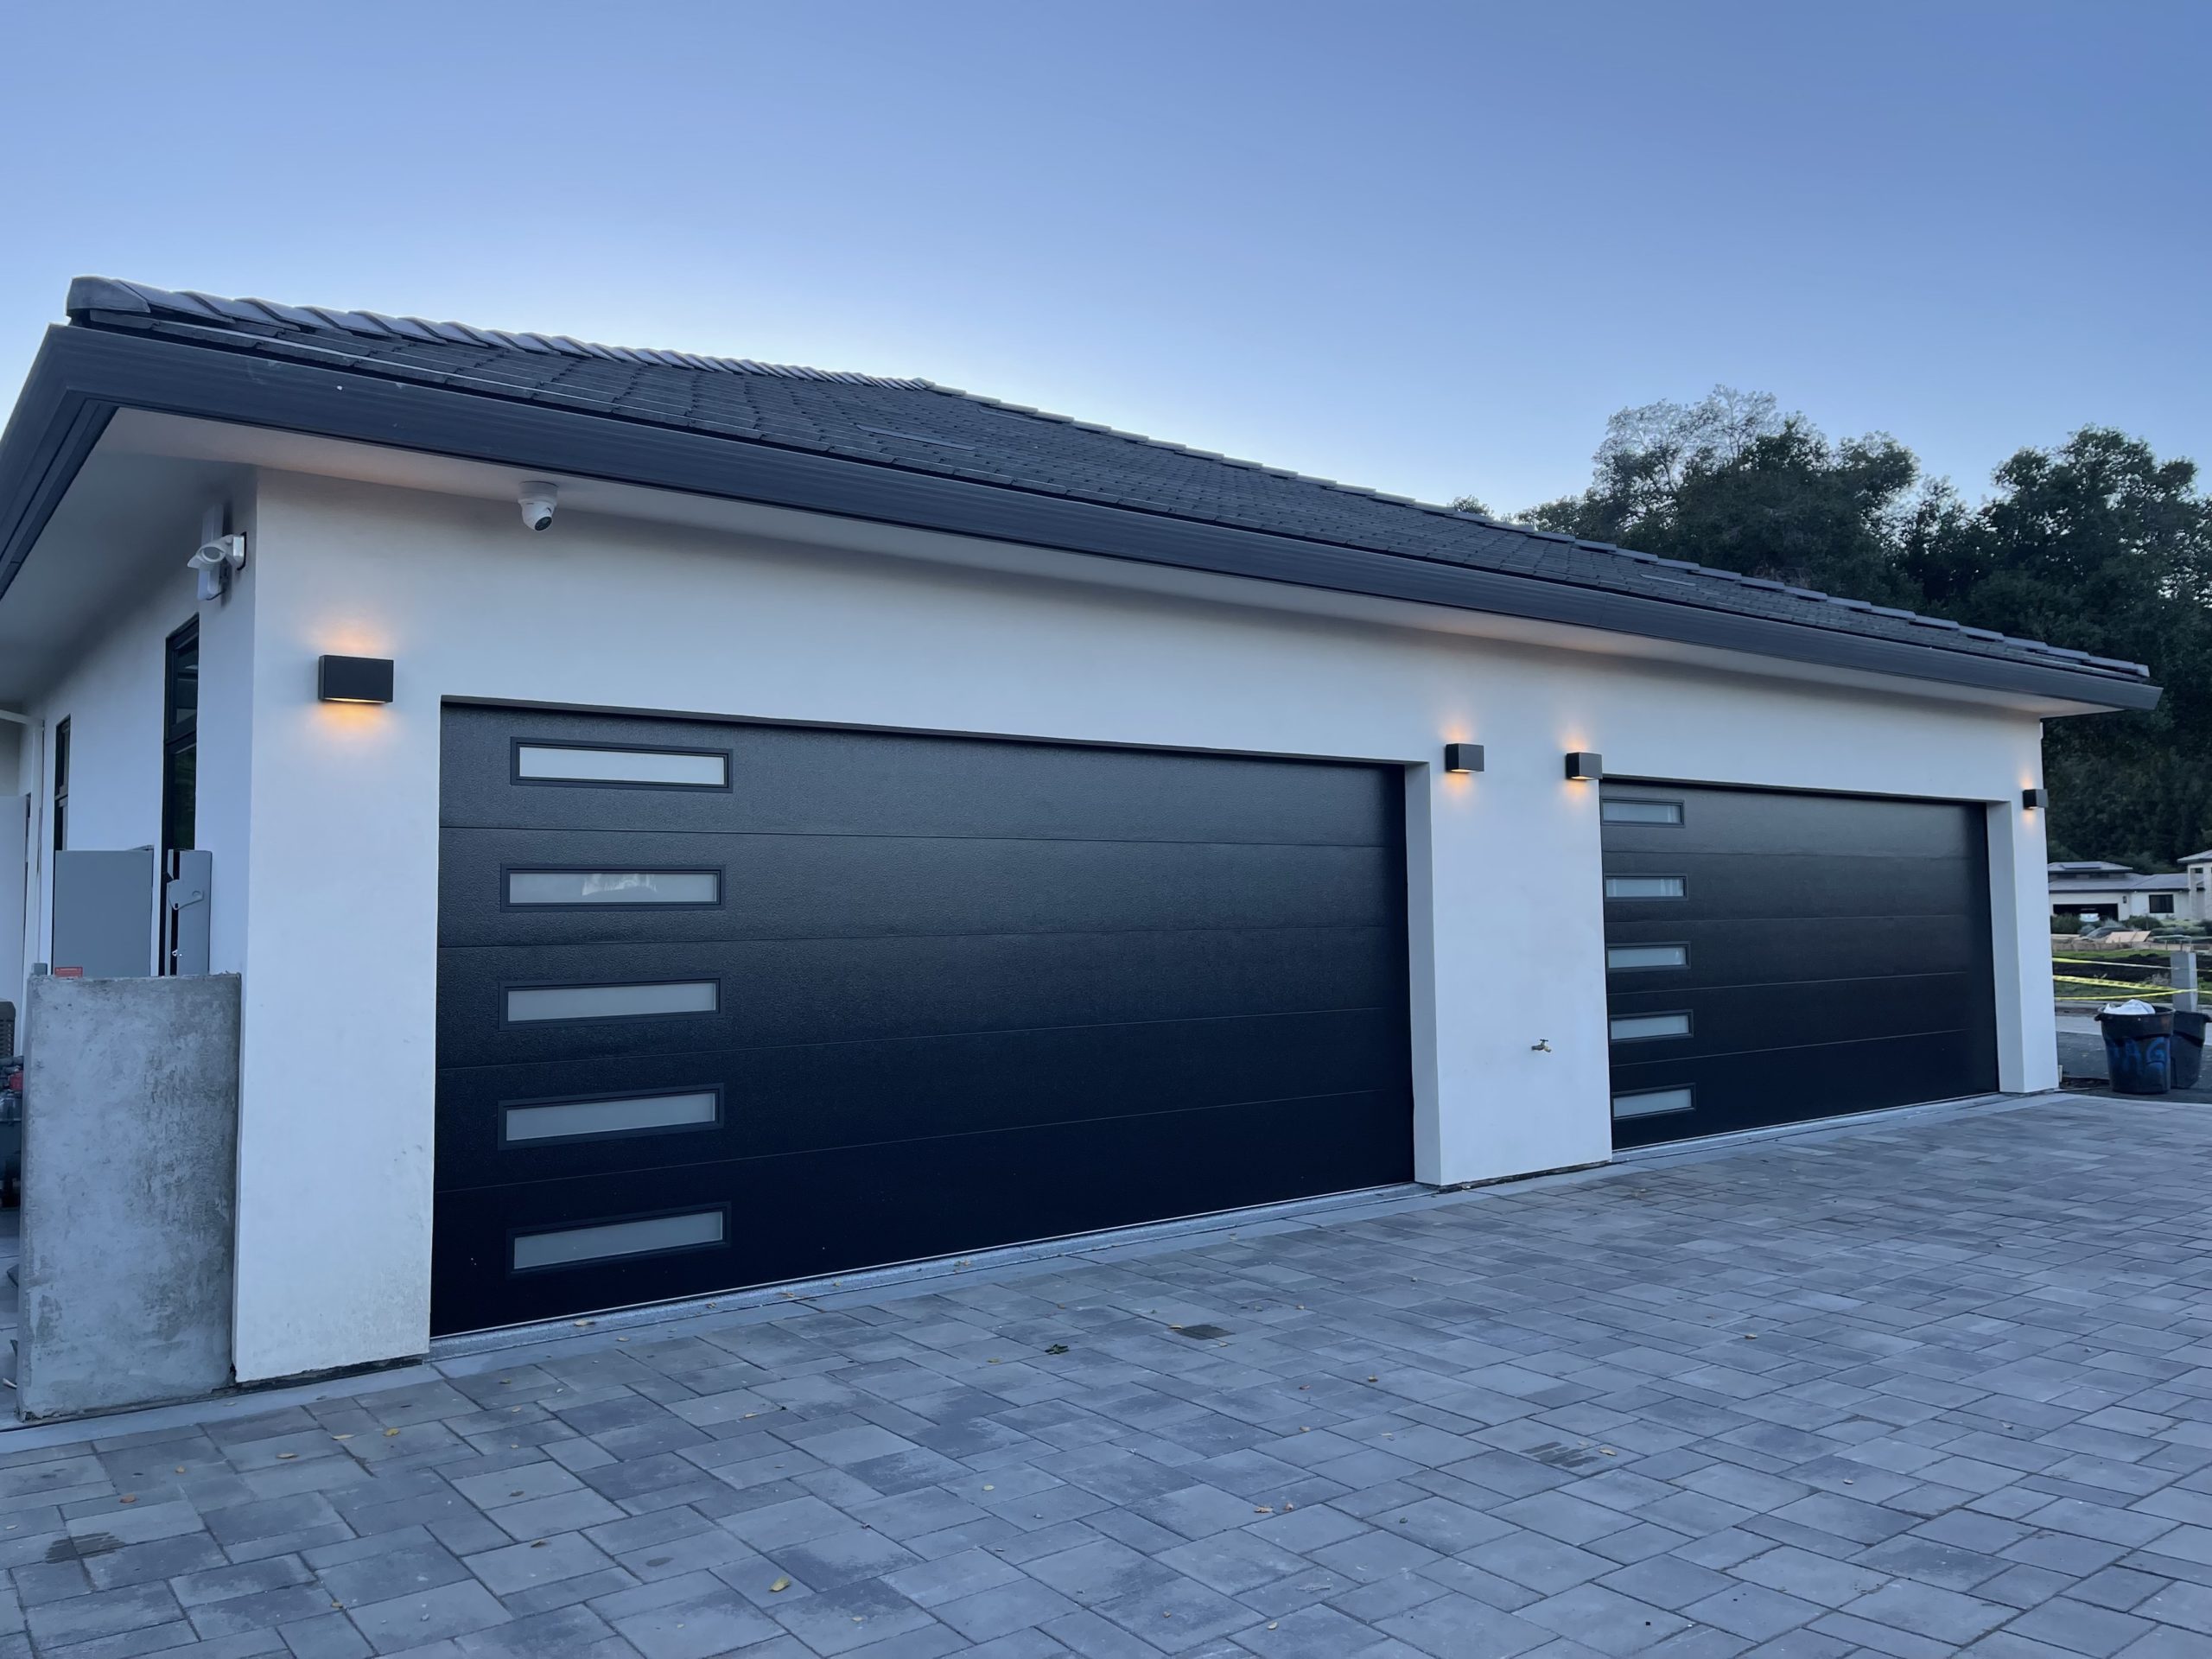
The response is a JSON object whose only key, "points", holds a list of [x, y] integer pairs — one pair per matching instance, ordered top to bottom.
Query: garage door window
{"points": [[565, 763], [1630, 811], [1643, 887], [604, 889], [1625, 958], [534, 1002], [1649, 1027], [1654, 1103], [537, 1123], [652, 1236]]}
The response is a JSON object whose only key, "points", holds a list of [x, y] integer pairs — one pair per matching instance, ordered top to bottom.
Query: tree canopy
{"points": [[2095, 543]]}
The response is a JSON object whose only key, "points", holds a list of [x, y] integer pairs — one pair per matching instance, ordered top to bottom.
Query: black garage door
{"points": [[1772, 957], [721, 1004]]}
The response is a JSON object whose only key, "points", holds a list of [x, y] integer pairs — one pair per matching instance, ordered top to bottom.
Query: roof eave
{"points": [[82, 375], [54, 427]]}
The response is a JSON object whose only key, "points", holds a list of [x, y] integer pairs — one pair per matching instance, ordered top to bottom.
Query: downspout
{"points": [[34, 855]]}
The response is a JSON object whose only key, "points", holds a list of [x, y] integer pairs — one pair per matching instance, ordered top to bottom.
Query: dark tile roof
{"points": [[921, 427]]}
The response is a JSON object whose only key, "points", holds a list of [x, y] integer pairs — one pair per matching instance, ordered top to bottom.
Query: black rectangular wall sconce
{"points": [[354, 679], [1462, 757], [1585, 767], [2034, 799]]}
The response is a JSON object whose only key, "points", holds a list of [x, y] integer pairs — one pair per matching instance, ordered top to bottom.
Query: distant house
{"points": [[2092, 889]]}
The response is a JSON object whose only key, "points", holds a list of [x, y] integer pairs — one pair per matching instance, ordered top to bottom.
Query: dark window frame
{"points": [[180, 739], [180, 775], [61, 786], [2162, 904]]}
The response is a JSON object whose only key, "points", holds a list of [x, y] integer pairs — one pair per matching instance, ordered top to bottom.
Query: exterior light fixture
{"points": [[354, 679], [1462, 757], [1585, 767], [2031, 800]]}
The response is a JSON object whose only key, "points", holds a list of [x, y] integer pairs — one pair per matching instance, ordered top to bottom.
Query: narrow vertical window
{"points": [[180, 741], [180, 770], [62, 786]]}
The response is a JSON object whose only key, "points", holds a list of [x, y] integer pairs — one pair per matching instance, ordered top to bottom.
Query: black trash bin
{"points": [[2138, 1051], [2187, 1061]]}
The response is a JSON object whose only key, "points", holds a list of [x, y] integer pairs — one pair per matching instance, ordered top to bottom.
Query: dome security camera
{"points": [[538, 499]]}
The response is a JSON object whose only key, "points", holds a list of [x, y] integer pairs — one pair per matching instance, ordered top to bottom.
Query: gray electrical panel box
{"points": [[104, 914]]}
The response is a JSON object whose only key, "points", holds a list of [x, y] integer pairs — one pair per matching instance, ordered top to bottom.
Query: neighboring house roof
{"points": [[915, 429], [2198, 858], [2091, 866], [2079, 885]]}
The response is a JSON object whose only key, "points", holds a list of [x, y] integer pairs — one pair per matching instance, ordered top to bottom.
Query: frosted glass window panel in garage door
{"points": [[667, 768], [615, 886], [529, 1003], [568, 1119], [573, 1245]]}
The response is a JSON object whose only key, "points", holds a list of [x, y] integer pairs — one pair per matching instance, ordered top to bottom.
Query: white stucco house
{"points": [[870, 821], [2099, 889]]}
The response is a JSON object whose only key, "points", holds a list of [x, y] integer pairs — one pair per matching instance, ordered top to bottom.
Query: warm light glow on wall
{"points": [[351, 719]]}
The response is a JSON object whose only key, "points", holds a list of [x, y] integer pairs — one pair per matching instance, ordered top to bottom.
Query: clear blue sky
{"points": [[1427, 248]]}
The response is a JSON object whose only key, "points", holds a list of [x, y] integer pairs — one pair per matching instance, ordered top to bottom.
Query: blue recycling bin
{"points": [[2139, 1051]]}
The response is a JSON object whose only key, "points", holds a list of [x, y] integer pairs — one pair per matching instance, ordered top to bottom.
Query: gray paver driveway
{"points": [[1918, 1388]]}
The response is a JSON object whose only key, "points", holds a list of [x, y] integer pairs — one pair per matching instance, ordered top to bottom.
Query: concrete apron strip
{"points": [[488, 1351]]}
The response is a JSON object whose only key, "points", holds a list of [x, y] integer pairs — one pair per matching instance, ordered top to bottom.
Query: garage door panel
{"points": [[812, 781], [1753, 823], [782, 886], [1792, 887], [1755, 952], [1773, 957], [831, 990], [721, 1004], [1751, 1018], [1755, 1091], [784, 1099], [912, 1200]]}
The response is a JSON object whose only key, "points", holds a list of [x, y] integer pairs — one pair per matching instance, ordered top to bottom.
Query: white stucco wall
{"points": [[337, 1131]]}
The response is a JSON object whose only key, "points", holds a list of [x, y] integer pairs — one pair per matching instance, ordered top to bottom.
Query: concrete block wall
{"points": [[130, 1177]]}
